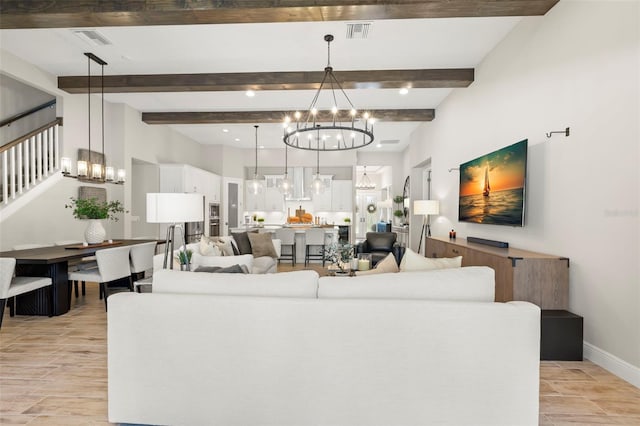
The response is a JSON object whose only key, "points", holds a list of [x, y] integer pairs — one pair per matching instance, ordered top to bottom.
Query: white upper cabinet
{"points": [[342, 195], [273, 198], [322, 201]]}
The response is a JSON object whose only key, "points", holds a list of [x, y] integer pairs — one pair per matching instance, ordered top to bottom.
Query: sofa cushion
{"points": [[261, 245], [208, 247], [223, 261], [412, 261], [388, 264], [264, 265], [472, 283], [303, 284]]}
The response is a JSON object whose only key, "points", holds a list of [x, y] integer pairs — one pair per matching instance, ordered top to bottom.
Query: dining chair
{"points": [[287, 237], [314, 237], [142, 259], [85, 263], [113, 266], [11, 286]]}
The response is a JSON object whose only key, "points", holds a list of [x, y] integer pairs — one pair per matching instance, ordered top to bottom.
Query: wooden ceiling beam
{"points": [[89, 13], [302, 80], [239, 117]]}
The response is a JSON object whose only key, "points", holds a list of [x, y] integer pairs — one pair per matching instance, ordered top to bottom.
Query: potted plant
{"points": [[95, 211], [398, 213], [347, 220], [340, 255], [184, 258]]}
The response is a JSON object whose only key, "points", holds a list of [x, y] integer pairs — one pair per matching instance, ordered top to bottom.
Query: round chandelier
{"points": [[339, 129]]}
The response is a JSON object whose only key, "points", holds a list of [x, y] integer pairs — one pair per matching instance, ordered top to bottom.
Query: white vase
{"points": [[95, 233]]}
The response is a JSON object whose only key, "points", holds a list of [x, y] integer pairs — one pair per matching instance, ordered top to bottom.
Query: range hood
{"points": [[301, 178]]}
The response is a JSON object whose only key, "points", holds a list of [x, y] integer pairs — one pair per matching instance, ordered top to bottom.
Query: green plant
{"points": [[398, 199], [91, 208], [398, 213], [261, 219], [347, 220], [338, 254], [184, 256]]}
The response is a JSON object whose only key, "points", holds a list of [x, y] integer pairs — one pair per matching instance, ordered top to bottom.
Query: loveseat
{"points": [[409, 348]]}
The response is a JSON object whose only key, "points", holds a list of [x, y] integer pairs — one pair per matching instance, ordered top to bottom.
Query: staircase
{"points": [[28, 161]]}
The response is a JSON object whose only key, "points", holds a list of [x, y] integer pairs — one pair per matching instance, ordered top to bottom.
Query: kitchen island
{"points": [[331, 235]]}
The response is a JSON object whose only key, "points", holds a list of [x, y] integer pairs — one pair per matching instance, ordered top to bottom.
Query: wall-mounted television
{"points": [[492, 187]]}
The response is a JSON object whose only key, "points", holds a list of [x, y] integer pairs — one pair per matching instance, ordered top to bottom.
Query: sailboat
{"points": [[487, 187]]}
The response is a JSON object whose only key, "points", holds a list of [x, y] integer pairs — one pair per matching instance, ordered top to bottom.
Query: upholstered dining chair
{"points": [[287, 237], [314, 237], [142, 259], [88, 262], [113, 265], [11, 286]]}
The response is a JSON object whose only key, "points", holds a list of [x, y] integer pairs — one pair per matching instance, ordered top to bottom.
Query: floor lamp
{"points": [[426, 208], [174, 209]]}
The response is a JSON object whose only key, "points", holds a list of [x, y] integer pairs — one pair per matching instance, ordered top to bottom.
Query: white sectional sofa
{"points": [[256, 265], [410, 348]]}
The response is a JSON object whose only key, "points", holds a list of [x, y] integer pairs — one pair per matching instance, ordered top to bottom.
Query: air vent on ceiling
{"points": [[358, 30], [92, 37], [389, 142]]}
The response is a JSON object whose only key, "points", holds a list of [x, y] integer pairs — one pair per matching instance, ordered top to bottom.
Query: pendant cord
{"points": [[102, 91], [89, 103], [255, 171]]}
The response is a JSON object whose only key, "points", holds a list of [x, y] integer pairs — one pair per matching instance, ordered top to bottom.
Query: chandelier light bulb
{"points": [[334, 110], [314, 111], [353, 112], [297, 115], [365, 115], [287, 119], [338, 136]]}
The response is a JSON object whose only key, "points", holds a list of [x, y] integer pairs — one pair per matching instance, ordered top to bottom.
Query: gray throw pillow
{"points": [[233, 269]]}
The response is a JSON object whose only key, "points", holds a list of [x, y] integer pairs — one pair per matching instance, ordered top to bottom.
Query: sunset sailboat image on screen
{"points": [[487, 187], [492, 187]]}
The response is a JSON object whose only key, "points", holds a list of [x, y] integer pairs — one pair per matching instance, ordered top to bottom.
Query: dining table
{"points": [[53, 262]]}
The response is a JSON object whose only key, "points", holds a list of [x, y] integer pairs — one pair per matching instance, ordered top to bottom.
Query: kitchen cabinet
{"points": [[342, 195], [273, 197], [322, 201], [254, 202]]}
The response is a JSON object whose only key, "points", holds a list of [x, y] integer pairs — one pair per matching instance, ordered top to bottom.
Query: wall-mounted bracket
{"points": [[565, 131]]}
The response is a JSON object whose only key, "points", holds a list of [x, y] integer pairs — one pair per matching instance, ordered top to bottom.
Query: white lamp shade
{"points": [[386, 204], [169, 207], [426, 207]]}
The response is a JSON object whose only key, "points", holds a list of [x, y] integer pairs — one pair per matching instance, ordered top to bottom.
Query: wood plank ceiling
{"points": [[84, 13]]}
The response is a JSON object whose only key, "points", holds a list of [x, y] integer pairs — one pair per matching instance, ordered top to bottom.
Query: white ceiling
{"points": [[391, 44]]}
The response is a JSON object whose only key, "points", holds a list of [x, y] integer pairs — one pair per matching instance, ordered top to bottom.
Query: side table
{"points": [[144, 285], [560, 335]]}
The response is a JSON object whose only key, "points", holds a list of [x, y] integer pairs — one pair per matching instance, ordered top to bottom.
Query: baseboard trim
{"points": [[612, 363]]}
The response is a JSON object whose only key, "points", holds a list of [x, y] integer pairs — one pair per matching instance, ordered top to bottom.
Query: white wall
{"points": [[576, 67]]}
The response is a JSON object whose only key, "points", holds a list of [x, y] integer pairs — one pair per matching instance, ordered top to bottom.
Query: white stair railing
{"points": [[28, 160]]}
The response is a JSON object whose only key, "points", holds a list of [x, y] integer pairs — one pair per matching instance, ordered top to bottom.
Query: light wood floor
{"points": [[53, 371]]}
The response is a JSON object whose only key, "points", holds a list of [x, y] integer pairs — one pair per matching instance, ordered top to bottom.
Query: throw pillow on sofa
{"points": [[242, 242], [262, 245], [208, 248], [412, 261], [388, 264], [233, 269]]}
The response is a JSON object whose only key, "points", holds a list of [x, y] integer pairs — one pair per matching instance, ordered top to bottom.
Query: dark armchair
{"points": [[380, 244]]}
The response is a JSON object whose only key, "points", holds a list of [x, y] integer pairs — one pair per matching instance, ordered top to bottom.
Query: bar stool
{"points": [[287, 237], [314, 237], [11, 286]]}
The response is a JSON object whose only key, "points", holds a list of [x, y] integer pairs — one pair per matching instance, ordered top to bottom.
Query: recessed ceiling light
{"points": [[403, 91], [250, 93], [225, 130], [237, 139], [378, 146]]}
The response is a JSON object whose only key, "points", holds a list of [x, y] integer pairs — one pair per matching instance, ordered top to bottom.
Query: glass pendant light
{"points": [[255, 185], [286, 186], [317, 186]]}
